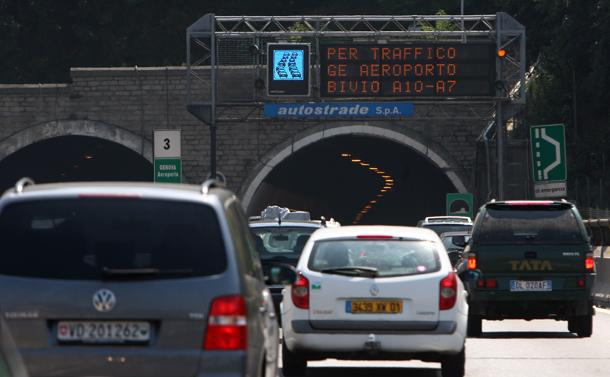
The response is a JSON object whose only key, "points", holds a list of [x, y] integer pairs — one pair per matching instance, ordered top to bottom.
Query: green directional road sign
{"points": [[548, 153], [549, 164], [168, 170], [459, 204]]}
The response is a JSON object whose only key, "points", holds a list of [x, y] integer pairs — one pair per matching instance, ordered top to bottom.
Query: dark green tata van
{"points": [[529, 260]]}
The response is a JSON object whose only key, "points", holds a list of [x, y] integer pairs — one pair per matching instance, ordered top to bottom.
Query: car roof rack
{"points": [[211, 183], [20, 185], [447, 219]]}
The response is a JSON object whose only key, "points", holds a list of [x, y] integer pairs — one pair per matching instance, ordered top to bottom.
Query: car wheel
{"points": [[475, 326], [584, 327], [292, 363], [454, 365]]}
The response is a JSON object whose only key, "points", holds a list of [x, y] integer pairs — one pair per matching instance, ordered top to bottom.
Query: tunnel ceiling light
{"points": [[345, 155], [88, 157], [356, 160], [364, 164], [373, 168], [380, 172], [386, 176], [389, 180], [387, 187], [384, 191], [379, 196], [373, 201]]}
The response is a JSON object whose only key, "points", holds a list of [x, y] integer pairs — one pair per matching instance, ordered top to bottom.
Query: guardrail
{"points": [[599, 230]]}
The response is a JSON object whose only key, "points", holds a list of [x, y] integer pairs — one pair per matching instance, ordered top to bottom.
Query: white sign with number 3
{"points": [[167, 143]]}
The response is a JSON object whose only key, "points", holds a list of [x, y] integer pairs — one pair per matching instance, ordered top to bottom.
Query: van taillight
{"points": [[472, 262], [589, 263], [300, 292], [448, 292], [227, 325]]}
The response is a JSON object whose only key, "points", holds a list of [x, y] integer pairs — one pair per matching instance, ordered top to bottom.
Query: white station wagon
{"points": [[375, 293]]}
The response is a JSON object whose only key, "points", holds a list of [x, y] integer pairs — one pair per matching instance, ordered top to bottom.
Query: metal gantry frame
{"points": [[204, 36]]}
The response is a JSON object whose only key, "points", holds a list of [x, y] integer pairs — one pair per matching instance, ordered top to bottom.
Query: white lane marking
{"points": [[557, 146]]}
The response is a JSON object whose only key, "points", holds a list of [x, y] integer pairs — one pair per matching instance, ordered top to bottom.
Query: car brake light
{"points": [[109, 196], [529, 203], [374, 236], [472, 262], [589, 263], [581, 283], [300, 292], [448, 292], [227, 326]]}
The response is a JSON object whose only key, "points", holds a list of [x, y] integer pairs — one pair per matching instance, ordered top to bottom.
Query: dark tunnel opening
{"points": [[74, 158], [327, 179]]}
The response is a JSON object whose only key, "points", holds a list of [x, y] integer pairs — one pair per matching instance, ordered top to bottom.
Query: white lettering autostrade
{"points": [[355, 109]]}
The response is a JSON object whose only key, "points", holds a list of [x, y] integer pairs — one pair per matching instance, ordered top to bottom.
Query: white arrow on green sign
{"points": [[549, 164]]}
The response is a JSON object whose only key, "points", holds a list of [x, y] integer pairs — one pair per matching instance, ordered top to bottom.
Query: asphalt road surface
{"points": [[514, 348]]}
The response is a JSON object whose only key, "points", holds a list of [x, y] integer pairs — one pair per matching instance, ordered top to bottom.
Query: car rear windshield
{"points": [[535, 226], [443, 228], [105, 238], [284, 242], [387, 257]]}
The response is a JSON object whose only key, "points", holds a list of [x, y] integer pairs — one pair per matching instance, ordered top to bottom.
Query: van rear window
{"points": [[530, 226], [110, 238]]}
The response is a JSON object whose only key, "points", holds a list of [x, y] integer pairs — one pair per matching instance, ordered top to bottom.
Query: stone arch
{"points": [[91, 128], [436, 154]]}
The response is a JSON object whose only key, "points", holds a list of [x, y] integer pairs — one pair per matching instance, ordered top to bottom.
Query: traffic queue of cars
{"points": [[153, 280]]}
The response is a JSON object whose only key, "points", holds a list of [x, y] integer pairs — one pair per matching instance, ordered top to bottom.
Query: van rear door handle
{"points": [[531, 255]]}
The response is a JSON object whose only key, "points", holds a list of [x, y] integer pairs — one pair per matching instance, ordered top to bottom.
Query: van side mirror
{"points": [[281, 274]]}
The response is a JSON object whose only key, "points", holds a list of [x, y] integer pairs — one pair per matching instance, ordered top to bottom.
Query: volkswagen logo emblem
{"points": [[374, 290], [104, 300]]}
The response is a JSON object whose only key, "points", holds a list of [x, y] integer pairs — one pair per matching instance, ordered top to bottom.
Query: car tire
{"points": [[475, 326], [584, 327], [293, 365], [454, 365]]}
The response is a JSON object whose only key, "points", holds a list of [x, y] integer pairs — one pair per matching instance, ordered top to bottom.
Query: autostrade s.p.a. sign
{"points": [[339, 110]]}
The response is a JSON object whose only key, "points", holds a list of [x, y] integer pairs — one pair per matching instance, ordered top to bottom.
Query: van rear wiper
{"points": [[353, 271], [143, 272]]}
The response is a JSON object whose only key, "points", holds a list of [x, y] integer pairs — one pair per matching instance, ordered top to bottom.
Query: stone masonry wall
{"points": [[140, 100]]}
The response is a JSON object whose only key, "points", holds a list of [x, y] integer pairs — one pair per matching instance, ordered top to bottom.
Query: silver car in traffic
{"points": [[133, 279]]}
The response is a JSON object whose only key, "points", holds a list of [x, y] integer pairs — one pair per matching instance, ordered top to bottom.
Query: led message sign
{"points": [[288, 69], [407, 70]]}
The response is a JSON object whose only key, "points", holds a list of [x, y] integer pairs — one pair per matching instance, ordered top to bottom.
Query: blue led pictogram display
{"points": [[288, 65]]}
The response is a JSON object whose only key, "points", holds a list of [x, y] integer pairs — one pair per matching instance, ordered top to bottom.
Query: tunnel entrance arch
{"points": [[58, 128], [75, 151], [433, 156]]}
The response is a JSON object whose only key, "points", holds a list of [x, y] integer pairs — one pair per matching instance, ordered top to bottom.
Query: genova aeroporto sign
{"points": [[407, 70]]}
